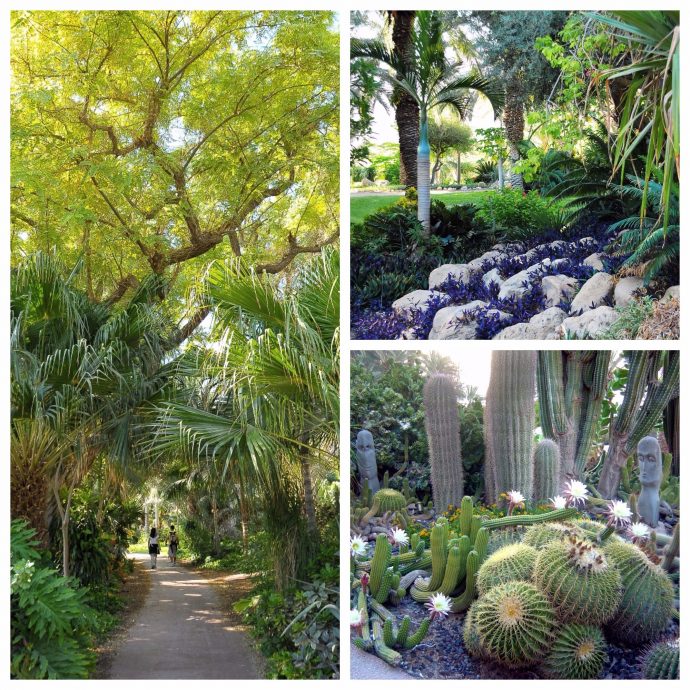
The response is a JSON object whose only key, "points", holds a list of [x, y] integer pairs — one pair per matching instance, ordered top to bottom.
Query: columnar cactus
{"points": [[571, 386], [643, 404], [509, 420], [443, 433], [547, 467], [514, 562], [581, 583], [647, 601], [515, 624], [401, 637], [578, 653], [662, 661]]}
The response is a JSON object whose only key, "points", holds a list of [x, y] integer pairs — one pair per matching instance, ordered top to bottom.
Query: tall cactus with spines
{"points": [[571, 387], [646, 396], [510, 419], [442, 424], [547, 467], [672, 550], [401, 637]]}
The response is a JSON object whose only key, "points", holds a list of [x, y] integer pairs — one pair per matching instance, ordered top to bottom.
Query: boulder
{"points": [[594, 260], [476, 264], [460, 272], [492, 276], [513, 286], [558, 288], [624, 292], [593, 293], [672, 293], [417, 299], [590, 323], [447, 324], [542, 326]]}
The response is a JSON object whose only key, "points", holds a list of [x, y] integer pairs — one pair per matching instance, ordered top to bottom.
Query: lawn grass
{"points": [[362, 206]]}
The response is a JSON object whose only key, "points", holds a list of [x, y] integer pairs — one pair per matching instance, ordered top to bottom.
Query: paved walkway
{"points": [[182, 632], [365, 666]]}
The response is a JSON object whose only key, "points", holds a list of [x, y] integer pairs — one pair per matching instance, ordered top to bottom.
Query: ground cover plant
{"points": [[551, 570]]}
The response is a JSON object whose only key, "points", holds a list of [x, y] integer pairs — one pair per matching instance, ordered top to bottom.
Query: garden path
{"points": [[182, 632]]}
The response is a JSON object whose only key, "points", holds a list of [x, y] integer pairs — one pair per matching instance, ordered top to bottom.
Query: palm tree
{"points": [[433, 82]]}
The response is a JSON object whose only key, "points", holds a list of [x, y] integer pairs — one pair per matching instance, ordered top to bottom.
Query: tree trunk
{"points": [[406, 109], [514, 124], [436, 168], [501, 176], [458, 178], [423, 187], [610, 477], [308, 491], [244, 521], [216, 536]]}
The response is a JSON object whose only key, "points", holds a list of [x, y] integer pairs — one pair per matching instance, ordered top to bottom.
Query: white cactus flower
{"points": [[576, 493], [515, 497], [559, 502], [619, 514], [639, 531], [399, 537], [358, 546], [439, 606], [355, 618]]}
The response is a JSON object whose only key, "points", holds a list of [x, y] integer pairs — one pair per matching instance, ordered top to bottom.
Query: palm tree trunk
{"points": [[406, 109], [514, 124], [501, 175], [458, 177], [423, 186], [308, 490]]}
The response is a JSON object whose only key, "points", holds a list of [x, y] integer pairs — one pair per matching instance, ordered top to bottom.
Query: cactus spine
{"points": [[571, 387], [643, 404], [509, 420], [443, 433], [547, 466], [513, 562], [578, 653], [662, 661]]}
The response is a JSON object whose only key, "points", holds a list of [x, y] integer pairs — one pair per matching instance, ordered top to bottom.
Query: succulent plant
{"points": [[443, 433], [547, 464], [389, 500], [541, 535], [505, 537], [513, 562], [581, 583], [647, 601], [514, 622], [470, 634], [401, 637], [578, 653], [662, 661]]}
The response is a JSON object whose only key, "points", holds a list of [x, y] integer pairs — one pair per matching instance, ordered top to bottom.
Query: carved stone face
{"points": [[366, 455], [649, 459]]}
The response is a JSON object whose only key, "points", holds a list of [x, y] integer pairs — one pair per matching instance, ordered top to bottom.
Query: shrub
{"points": [[515, 214], [51, 624]]}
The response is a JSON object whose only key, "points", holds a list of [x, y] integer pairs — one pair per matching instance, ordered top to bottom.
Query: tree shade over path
{"points": [[181, 632]]}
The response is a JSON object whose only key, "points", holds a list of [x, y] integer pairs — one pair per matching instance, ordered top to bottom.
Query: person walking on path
{"points": [[173, 543], [154, 547]]}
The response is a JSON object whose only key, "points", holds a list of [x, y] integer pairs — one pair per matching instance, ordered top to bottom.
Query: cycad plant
{"points": [[433, 82]]}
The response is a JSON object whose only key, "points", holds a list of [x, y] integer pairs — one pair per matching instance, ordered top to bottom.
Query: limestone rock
{"points": [[594, 260], [476, 264], [460, 272], [492, 276], [513, 286], [558, 288], [624, 291], [593, 293], [672, 293], [417, 299], [590, 323], [447, 324], [542, 326]]}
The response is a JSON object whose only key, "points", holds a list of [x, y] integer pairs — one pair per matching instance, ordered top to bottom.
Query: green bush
{"points": [[514, 213], [51, 623]]}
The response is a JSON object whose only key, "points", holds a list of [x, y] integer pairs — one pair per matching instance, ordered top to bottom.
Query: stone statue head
{"points": [[366, 459], [650, 463]]}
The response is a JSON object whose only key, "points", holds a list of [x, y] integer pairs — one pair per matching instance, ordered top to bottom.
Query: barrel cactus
{"points": [[443, 433], [547, 464], [389, 500], [538, 536], [512, 562], [581, 583], [647, 602], [515, 624], [470, 635], [578, 653], [662, 661]]}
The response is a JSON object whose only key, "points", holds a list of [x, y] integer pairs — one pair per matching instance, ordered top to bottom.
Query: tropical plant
{"points": [[432, 81]]}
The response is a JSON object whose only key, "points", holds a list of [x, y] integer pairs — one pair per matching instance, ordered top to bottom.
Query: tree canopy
{"points": [[153, 142]]}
